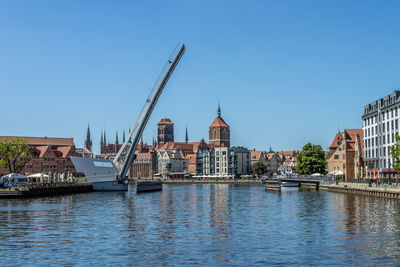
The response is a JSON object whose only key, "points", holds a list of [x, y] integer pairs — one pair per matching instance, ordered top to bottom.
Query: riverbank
{"points": [[236, 181], [364, 189]]}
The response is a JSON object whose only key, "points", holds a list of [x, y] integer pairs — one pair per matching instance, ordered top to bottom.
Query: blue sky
{"points": [[285, 72]]}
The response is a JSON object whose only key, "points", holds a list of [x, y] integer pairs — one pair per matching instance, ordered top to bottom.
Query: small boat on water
{"points": [[290, 184]]}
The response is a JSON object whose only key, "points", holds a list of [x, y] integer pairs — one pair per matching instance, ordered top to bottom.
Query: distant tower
{"points": [[165, 131], [219, 133], [123, 136], [187, 136], [116, 138], [130, 138], [88, 141], [101, 142]]}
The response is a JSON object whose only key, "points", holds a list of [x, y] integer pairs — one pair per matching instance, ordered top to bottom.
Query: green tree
{"points": [[395, 153], [14, 154], [311, 160], [259, 168]]}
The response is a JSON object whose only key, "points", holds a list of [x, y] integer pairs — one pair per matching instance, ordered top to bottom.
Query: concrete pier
{"points": [[364, 189]]}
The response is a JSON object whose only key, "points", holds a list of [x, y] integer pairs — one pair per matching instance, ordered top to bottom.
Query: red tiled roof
{"points": [[165, 121], [219, 122], [38, 141], [336, 141], [42, 150], [64, 150], [290, 153], [255, 155]]}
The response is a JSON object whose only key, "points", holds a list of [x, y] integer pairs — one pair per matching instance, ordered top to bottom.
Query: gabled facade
{"points": [[345, 154]]}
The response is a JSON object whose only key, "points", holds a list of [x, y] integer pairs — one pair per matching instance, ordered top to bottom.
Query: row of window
{"points": [[382, 116], [385, 127], [380, 140], [381, 152]]}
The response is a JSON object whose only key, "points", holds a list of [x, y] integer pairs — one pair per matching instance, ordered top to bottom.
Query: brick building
{"points": [[219, 132], [346, 154], [49, 155]]}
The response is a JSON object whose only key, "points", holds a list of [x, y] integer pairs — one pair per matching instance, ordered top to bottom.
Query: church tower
{"points": [[165, 131], [219, 133], [88, 141]]}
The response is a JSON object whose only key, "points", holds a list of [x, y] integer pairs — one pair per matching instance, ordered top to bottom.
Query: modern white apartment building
{"points": [[380, 126]]}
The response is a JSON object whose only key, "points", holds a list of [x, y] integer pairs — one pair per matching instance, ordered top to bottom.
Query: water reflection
{"points": [[201, 225]]}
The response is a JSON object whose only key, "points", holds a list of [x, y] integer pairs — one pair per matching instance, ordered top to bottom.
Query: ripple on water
{"points": [[201, 225]]}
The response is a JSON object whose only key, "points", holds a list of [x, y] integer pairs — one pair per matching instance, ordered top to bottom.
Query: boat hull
{"points": [[109, 186]]}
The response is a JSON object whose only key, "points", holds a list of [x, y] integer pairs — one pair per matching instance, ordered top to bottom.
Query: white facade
{"points": [[380, 126], [171, 161], [221, 161]]}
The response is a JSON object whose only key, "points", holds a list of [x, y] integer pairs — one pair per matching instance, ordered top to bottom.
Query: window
{"points": [[392, 112], [397, 124], [392, 125], [383, 127], [372, 130], [369, 131], [392, 137], [388, 138], [384, 140], [372, 141], [369, 142], [384, 151], [223, 152], [217, 153], [344, 156], [336, 157], [217, 158], [217, 165], [344, 166]]}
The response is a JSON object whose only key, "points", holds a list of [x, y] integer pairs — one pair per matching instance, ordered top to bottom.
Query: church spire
{"points": [[219, 110], [104, 136], [123, 136], [187, 137], [116, 138], [101, 139], [88, 141]]}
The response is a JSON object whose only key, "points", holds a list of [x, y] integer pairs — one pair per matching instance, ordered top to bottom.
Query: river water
{"points": [[224, 225]]}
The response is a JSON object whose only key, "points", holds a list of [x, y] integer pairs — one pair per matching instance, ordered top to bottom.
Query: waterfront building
{"points": [[380, 126], [165, 131], [219, 132], [346, 154], [49, 155], [256, 156], [290, 158], [205, 160], [242, 160], [225, 162], [273, 162], [191, 163], [145, 164], [172, 164]]}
